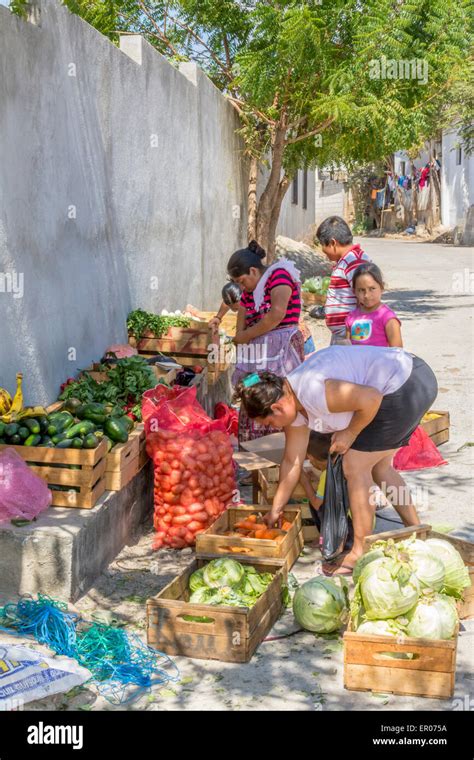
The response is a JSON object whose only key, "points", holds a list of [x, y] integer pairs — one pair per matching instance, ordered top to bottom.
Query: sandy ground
{"points": [[301, 671]]}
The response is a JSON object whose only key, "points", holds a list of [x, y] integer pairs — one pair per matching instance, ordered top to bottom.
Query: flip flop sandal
{"points": [[348, 568]]}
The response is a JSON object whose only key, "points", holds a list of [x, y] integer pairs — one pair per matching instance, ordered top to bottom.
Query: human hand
{"points": [[214, 323], [341, 441], [272, 517]]}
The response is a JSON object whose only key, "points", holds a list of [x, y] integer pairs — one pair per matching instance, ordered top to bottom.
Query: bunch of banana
{"points": [[13, 409]]}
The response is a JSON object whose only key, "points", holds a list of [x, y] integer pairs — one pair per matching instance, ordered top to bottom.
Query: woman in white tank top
{"points": [[370, 400]]}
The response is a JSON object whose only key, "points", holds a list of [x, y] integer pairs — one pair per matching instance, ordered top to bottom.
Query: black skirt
{"points": [[400, 413]]}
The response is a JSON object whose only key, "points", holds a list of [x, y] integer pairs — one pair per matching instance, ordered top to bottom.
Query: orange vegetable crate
{"points": [[284, 548]]}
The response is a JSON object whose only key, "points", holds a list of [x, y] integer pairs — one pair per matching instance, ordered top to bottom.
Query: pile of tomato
{"points": [[194, 481]]}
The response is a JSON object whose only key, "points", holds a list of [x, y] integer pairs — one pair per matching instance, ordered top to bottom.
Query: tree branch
{"points": [[254, 110], [324, 125]]}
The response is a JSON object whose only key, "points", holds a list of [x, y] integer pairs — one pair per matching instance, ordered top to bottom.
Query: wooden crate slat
{"points": [[437, 425], [440, 438], [123, 453], [43, 455], [84, 478], [116, 480], [81, 500], [415, 684]]}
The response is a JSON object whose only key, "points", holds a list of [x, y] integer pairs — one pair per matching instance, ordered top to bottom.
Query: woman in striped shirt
{"points": [[267, 334]]}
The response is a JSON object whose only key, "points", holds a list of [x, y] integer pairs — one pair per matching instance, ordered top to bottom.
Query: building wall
{"points": [[457, 183], [121, 186], [330, 197], [294, 218]]}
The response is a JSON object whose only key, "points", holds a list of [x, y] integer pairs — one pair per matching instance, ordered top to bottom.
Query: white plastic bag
{"points": [[26, 674]]}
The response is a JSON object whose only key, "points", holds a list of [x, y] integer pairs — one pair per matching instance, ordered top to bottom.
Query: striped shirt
{"points": [[277, 277], [340, 298]]}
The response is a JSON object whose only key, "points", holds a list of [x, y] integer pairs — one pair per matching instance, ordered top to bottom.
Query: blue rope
{"points": [[117, 661]]}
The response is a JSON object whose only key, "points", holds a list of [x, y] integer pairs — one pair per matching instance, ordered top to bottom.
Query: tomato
{"points": [[182, 519], [195, 525], [176, 531], [177, 543]]}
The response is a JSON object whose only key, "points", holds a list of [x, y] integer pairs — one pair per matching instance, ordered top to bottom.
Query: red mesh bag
{"points": [[230, 417], [420, 453], [193, 467]]}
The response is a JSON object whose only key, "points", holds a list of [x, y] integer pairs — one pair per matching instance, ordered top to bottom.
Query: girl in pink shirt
{"points": [[372, 323]]}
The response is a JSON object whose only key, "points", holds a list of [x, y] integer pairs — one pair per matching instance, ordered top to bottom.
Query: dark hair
{"points": [[334, 228], [241, 261], [371, 269], [231, 293], [257, 399], [319, 445]]}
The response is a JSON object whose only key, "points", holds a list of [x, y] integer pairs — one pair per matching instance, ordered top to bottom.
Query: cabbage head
{"points": [[365, 560], [427, 567], [223, 572], [456, 574], [197, 580], [388, 588], [204, 595], [322, 604], [433, 617], [380, 628]]}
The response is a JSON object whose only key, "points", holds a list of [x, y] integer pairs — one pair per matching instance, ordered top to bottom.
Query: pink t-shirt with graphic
{"points": [[368, 328]]}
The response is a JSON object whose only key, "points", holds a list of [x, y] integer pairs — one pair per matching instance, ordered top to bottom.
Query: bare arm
{"points": [[279, 298], [241, 316], [215, 321], [394, 333], [364, 401], [296, 446]]}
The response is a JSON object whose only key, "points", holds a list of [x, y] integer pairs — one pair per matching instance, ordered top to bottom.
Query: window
{"points": [[458, 155], [402, 168], [305, 189], [294, 190]]}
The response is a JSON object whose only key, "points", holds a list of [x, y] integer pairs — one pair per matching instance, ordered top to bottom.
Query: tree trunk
{"points": [[269, 198], [252, 200], [274, 217]]}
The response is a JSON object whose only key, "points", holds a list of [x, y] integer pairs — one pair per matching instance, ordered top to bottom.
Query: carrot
{"points": [[260, 533], [270, 534]]}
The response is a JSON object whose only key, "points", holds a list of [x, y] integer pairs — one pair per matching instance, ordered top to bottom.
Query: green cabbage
{"points": [[365, 560], [427, 567], [223, 572], [456, 574], [197, 580], [388, 588], [203, 595], [322, 604], [434, 617], [380, 628]]}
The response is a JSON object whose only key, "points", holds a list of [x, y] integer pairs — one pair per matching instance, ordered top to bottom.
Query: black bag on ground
{"points": [[336, 526]]}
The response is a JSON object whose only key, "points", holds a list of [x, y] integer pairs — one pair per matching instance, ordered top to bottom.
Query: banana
{"points": [[5, 401], [17, 403], [32, 411]]}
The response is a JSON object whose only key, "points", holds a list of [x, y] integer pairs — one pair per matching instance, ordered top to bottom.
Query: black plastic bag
{"points": [[336, 526]]}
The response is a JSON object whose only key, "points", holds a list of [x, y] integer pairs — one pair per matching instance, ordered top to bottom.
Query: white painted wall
{"points": [[457, 182], [329, 197]]}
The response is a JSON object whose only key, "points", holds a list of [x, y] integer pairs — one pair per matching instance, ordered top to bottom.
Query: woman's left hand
{"points": [[240, 337], [341, 441]]}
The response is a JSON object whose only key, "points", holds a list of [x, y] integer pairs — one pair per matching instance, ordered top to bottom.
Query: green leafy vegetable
{"points": [[140, 322], [322, 604]]}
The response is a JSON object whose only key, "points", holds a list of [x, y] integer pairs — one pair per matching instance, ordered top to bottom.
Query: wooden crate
{"points": [[312, 299], [228, 322], [194, 339], [168, 375], [438, 428], [123, 461], [57, 467], [268, 483], [213, 543], [465, 549], [231, 634], [429, 673]]}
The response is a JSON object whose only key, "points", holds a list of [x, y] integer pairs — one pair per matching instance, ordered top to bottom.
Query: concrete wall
{"points": [[121, 184], [457, 186], [330, 198], [294, 219]]}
